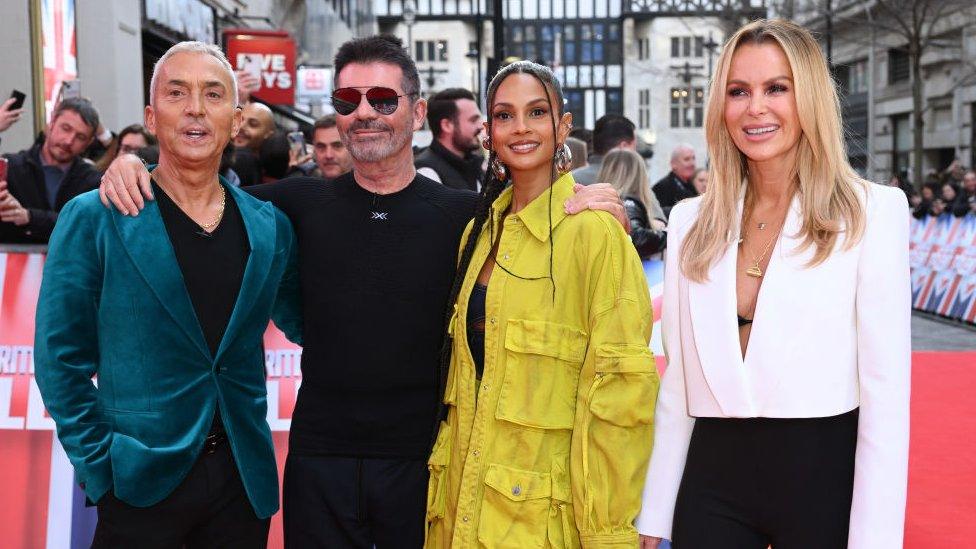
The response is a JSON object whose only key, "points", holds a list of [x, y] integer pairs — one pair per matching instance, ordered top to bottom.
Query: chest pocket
{"points": [[542, 368]]}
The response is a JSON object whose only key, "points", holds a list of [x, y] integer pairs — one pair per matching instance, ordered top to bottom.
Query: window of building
{"points": [[687, 46], [643, 48], [430, 50], [898, 66], [858, 77], [852, 78], [615, 102], [687, 107], [644, 108], [942, 118], [901, 152]]}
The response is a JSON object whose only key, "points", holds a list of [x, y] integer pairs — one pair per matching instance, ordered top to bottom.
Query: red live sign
{"points": [[269, 56]]}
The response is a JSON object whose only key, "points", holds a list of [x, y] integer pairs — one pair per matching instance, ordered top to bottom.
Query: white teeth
{"points": [[758, 131], [524, 147]]}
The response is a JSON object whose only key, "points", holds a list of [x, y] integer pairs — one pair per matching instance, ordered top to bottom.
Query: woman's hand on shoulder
{"points": [[598, 196]]}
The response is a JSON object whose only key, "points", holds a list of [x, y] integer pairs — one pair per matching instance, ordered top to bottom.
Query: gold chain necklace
{"points": [[220, 215], [208, 227], [755, 270]]}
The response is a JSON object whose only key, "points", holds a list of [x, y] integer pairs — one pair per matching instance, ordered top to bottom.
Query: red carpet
{"points": [[942, 464]]}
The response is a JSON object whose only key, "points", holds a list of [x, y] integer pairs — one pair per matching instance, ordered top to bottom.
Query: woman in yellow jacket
{"points": [[549, 382]]}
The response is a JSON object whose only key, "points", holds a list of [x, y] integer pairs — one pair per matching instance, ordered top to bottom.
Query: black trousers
{"points": [[752, 483], [355, 503], [208, 509]]}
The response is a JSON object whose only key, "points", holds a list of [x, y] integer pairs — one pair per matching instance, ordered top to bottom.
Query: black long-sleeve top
{"points": [[376, 273]]}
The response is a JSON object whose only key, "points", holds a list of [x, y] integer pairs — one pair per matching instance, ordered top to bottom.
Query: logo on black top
{"points": [[381, 216]]}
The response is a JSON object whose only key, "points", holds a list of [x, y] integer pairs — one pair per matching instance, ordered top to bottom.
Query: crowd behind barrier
{"points": [[943, 262]]}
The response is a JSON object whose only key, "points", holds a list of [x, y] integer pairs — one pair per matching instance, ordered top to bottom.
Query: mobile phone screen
{"points": [[3, 169]]}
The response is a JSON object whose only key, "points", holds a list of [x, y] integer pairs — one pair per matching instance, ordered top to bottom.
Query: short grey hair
{"points": [[194, 47], [678, 149]]}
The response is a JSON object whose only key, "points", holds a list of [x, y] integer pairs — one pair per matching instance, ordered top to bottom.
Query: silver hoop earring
{"points": [[563, 159], [499, 169]]}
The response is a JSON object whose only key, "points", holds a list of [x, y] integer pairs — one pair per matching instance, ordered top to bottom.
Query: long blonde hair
{"points": [[625, 170], [827, 185]]}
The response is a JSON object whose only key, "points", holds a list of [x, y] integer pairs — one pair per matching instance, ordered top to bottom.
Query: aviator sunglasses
{"points": [[383, 100]]}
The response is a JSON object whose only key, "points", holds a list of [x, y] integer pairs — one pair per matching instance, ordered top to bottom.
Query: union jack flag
{"points": [[59, 47]]}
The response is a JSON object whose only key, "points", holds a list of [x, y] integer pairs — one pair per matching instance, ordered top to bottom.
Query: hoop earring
{"points": [[563, 159], [501, 173]]}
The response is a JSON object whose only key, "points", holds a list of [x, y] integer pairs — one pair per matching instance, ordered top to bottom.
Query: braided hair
{"points": [[491, 188]]}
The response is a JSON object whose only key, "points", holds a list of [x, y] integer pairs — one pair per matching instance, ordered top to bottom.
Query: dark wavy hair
{"points": [[491, 188]]}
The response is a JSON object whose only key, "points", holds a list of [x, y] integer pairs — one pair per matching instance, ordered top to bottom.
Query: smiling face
{"points": [[760, 104], [194, 113], [521, 124], [257, 127], [369, 135]]}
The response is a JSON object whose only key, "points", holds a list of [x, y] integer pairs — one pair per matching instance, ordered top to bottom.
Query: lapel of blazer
{"points": [[259, 222], [147, 243], [712, 305], [713, 309]]}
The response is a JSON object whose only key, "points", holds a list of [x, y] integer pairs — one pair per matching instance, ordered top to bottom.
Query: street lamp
{"points": [[409, 18]]}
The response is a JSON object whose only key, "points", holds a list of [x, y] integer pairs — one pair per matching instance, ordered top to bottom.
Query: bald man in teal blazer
{"points": [[175, 432]]}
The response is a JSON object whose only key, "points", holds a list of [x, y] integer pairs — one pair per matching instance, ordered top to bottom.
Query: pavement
{"points": [[935, 334]]}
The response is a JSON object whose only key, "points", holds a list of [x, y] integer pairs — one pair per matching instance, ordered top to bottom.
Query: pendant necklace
{"points": [[755, 270]]}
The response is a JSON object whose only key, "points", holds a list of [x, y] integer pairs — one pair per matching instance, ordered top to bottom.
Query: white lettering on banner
{"points": [[273, 71], [283, 362], [17, 369], [274, 398], [37, 418], [7, 420]]}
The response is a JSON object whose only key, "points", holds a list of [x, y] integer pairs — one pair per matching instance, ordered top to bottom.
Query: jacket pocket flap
{"points": [[545, 338], [623, 358], [440, 454], [516, 484]]}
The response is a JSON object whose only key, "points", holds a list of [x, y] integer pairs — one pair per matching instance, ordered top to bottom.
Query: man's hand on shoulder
{"points": [[124, 184], [598, 196]]}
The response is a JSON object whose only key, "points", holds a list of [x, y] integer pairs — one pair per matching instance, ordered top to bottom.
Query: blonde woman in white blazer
{"points": [[783, 414]]}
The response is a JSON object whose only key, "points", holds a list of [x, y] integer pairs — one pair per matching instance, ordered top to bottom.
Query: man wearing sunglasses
{"points": [[377, 252]]}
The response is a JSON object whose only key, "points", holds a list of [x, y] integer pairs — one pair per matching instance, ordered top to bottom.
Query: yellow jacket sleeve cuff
{"points": [[626, 540]]}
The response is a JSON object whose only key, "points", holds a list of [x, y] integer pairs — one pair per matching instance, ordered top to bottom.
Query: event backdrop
{"points": [[943, 260], [42, 505]]}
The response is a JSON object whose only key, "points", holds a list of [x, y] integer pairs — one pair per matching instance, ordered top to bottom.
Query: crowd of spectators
{"points": [[70, 155], [952, 192]]}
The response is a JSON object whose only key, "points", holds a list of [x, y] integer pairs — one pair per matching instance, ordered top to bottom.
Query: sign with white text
{"points": [[269, 56]]}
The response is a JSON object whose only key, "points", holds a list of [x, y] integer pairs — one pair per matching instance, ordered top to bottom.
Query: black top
{"points": [[454, 171], [26, 182], [670, 190], [646, 239], [212, 266], [376, 274], [476, 326]]}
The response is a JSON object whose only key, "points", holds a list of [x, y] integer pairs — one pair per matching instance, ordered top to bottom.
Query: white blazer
{"points": [[825, 340]]}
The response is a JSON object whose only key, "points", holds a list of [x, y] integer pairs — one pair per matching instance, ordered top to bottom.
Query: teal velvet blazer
{"points": [[113, 304]]}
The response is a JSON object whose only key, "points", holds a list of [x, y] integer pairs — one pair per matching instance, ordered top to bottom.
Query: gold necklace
{"points": [[220, 215], [208, 227], [755, 270]]}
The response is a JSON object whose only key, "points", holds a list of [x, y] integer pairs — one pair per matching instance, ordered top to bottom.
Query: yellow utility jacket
{"points": [[553, 448]]}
